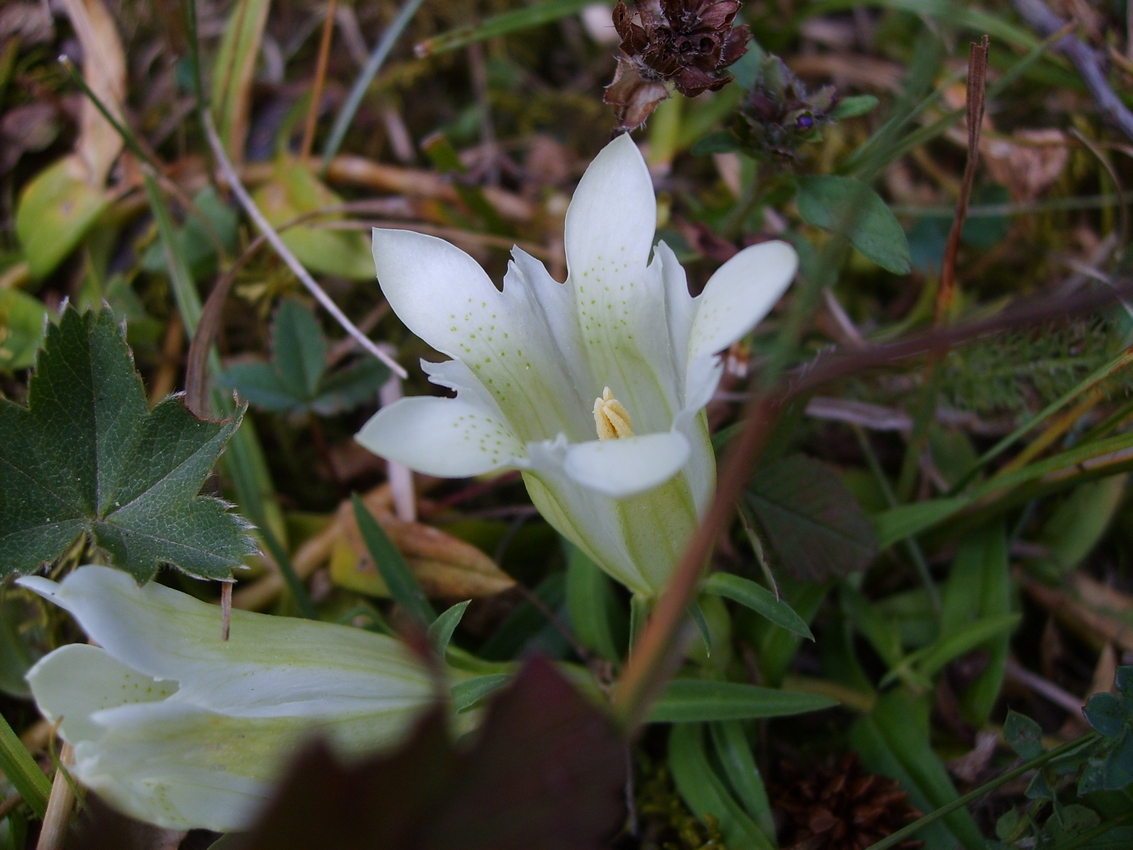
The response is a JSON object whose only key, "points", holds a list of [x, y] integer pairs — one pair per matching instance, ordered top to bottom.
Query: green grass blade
{"points": [[508, 22], [235, 67], [362, 83], [403, 585], [734, 753], [20, 768]]}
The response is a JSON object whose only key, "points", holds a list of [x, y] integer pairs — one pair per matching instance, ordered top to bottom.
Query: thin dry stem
{"points": [[320, 81], [285, 254], [59, 805]]}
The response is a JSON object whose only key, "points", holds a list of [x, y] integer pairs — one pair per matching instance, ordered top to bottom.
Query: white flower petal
{"points": [[610, 221], [438, 291], [739, 294], [619, 299], [504, 338], [448, 437], [627, 466], [636, 539], [270, 666], [77, 680], [184, 767]]}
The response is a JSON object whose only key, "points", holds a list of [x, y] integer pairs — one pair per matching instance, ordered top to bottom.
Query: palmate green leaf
{"points": [[87, 457]]}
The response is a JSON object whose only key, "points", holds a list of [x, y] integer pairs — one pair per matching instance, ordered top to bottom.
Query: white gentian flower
{"points": [[594, 389], [174, 726]]}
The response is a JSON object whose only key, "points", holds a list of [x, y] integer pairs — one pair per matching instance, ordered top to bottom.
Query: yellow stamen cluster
{"points": [[611, 417]]}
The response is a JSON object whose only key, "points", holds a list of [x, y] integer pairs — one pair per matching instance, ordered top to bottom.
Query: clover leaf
{"points": [[296, 381], [86, 457]]}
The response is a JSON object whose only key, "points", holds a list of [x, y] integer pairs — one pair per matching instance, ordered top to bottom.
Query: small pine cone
{"points": [[840, 808]]}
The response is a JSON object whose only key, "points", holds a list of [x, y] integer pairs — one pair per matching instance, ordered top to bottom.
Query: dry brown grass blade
{"points": [[104, 71], [320, 81], [977, 87], [1096, 613]]}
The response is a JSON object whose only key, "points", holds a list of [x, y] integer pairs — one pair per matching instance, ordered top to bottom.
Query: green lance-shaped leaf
{"points": [[849, 207], [87, 457]]}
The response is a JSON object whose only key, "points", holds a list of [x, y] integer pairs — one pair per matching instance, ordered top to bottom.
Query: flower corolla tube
{"points": [[594, 388], [175, 726]]}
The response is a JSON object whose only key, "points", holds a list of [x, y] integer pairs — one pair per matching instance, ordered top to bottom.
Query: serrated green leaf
{"points": [[848, 206], [197, 240], [298, 347], [295, 381], [260, 384], [348, 388], [86, 457], [814, 524], [758, 598], [1123, 681], [697, 700], [1023, 735], [1118, 766], [1039, 788]]}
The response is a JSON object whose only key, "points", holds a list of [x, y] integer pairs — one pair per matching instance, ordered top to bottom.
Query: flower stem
{"points": [[658, 651]]}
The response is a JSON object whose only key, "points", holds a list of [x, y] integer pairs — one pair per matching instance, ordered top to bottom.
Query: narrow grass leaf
{"points": [[402, 584], [759, 599], [440, 632], [467, 694], [701, 700], [734, 754], [22, 771], [705, 792]]}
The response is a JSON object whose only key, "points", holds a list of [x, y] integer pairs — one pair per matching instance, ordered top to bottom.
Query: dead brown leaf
{"points": [[104, 71], [1028, 163], [444, 565]]}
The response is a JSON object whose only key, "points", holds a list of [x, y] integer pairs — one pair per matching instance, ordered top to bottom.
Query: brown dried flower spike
{"points": [[678, 43]]}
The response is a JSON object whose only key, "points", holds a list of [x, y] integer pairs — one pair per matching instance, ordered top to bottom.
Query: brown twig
{"points": [[1045, 23], [320, 81], [977, 89], [658, 650]]}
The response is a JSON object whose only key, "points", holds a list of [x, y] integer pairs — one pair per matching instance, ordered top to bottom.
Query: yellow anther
{"points": [[611, 417]]}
